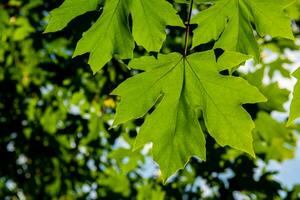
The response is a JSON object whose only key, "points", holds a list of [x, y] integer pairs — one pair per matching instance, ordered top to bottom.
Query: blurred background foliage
{"points": [[55, 117]]}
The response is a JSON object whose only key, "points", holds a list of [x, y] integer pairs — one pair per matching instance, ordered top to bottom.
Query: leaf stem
{"points": [[187, 28]]}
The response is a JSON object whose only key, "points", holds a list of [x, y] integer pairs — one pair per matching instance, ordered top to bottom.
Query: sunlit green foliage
{"points": [[180, 89], [57, 139]]}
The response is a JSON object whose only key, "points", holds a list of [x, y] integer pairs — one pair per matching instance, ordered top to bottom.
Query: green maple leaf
{"points": [[60, 17], [149, 21], [229, 23], [109, 36], [177, 87], [295, 105]]}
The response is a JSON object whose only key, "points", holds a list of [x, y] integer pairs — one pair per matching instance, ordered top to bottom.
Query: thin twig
{"points": [[187, 28]]}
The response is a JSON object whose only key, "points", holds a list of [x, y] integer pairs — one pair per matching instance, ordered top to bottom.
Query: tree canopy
{"points": [[157, 79]]}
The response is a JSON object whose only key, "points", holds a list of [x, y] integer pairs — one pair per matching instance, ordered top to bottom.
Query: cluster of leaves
{"points": [[182, 90], [54, 118], [55, 139]]}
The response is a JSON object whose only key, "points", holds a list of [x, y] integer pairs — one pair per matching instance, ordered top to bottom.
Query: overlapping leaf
{"points": [[70, 9], [149, 21], [229, 23], [110, 35], [177, 87], [295, 105]]}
